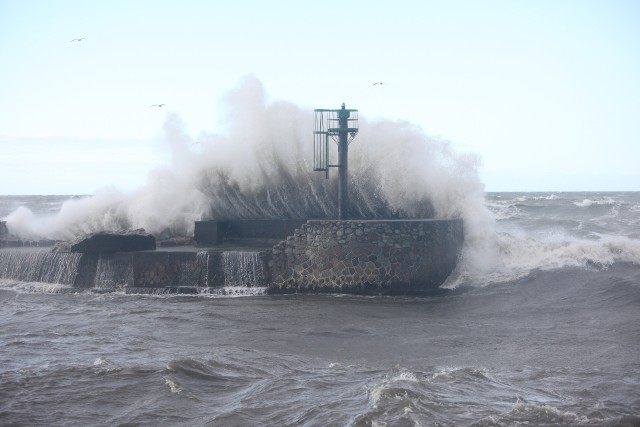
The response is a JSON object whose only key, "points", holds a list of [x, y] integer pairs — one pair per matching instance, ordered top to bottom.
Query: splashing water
{"points": [[260, 166]]}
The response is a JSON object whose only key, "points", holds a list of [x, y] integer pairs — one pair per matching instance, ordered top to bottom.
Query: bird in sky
{"points": [[78, 39], [378, 83], [157, 105]]}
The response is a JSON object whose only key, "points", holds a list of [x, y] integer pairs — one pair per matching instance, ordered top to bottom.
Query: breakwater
{"points": [[338, 256], [356, 256], [187, 270]]}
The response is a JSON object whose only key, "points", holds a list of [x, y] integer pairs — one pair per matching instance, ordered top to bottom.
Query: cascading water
{"points": [[202, 260], [39, 265], [242, 269], [112, 272], [179, 272], [243, 274]]}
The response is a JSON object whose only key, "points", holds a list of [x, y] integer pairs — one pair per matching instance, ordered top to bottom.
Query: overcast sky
{"points": [[546, 93]]}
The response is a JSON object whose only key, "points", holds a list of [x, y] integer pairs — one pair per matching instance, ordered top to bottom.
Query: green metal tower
{"points": [[342, 126]]}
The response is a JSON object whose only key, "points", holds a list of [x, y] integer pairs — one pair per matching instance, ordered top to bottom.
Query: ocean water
{"points": [[548, 333]]}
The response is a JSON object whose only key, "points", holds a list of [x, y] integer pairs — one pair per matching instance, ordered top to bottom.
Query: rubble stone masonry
{"points": [[366, 257]]}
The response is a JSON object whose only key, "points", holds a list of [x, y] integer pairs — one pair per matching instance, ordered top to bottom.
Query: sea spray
{"points": [[259, 165]]}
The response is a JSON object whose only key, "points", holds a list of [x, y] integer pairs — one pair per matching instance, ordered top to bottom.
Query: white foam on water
{"points": [[588, 202], [504, 210], [519, 255], [34, 287], [235, 291], [101, 361], [451, 373], [390, 382], [173, 386], [544, 414]]}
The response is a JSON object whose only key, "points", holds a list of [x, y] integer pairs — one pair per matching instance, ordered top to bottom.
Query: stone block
{"points": [[109, 241]]}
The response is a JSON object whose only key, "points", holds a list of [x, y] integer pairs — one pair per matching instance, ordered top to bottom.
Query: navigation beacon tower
{"points": [[342, 126]]}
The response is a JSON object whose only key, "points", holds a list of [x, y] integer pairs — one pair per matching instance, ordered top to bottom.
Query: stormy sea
{"points": [[546, 333]]}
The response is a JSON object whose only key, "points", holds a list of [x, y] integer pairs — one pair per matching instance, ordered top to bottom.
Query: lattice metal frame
{"points": [[327, 124]]}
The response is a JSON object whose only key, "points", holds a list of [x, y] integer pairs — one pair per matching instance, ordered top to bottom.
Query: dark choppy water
{"points": [[548, 335]]}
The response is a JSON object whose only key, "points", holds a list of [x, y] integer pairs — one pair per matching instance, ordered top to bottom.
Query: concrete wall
{"points": [[209, 232], [214, 232], [373, 257], [151, 269], [166, 269]]}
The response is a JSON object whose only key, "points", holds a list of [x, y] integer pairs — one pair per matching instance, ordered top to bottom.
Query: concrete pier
{"points": [[321, 256]]}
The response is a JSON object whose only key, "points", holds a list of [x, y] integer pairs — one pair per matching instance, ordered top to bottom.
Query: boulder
{"points": [[109, 241]]}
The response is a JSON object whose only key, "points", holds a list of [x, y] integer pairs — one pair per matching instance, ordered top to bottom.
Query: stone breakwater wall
{"points": [[322, 256], [366, 257]]}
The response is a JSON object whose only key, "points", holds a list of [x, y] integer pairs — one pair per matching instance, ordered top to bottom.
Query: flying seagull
{"points": [[78, 39], [378, 83], [157, 105]]}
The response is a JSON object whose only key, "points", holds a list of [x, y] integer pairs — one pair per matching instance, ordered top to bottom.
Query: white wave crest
{"points": [[588, 202], [502, 211], [518, 256], [101, 361], [450, 373], [393, 381]]}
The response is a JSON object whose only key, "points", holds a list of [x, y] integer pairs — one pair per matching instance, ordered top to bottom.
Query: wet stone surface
{"points": [[366, 256]]}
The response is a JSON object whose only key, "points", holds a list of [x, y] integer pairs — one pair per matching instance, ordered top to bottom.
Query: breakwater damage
{"points": [[338, 256]]}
